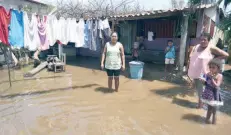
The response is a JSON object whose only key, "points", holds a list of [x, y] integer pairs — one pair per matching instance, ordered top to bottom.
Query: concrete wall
{"points": [[37, 8], [212, 13], [200, 24], [154, 50]]}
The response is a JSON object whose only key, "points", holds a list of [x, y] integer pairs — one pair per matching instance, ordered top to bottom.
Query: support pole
{"points": [[113, 26], [183, 41], [60, 47], [7, 62]]}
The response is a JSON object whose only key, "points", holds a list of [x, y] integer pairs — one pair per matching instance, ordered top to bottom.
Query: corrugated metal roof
{"points": [[38, 2], [156, 12]]}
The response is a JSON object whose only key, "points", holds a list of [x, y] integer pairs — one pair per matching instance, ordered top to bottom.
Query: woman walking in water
{"points": [[200, 55], [114, 58]]}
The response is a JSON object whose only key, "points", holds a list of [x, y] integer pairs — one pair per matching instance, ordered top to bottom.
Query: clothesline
{"points": [[41, 33]]}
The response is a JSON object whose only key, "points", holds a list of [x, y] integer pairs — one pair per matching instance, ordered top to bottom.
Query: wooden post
{"points": [[113, 26], [183, 42], [60, 47], [7, 62]]}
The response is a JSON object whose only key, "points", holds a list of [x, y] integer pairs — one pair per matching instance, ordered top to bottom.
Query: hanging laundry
{"points": [[4, 23], [52, 24], [105, 24], [100, 28], [68, 29], [71, 29], [16, 30], [93, 32], [106, 32], [86, 34], [62, 35], [80, 36], [150, 36], [31, 37], [98, 37], [44, 42]]}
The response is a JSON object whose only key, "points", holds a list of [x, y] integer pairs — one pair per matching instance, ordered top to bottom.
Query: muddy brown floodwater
{"points": [[77, 103]]}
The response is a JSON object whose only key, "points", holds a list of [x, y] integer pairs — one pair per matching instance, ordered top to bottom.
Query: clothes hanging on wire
{"points": [[4, 23], [52, 24], [105, 24], [100, 27], [16, 29], [72, 30], [63, 31], [106, 32], [93, 33], [86, 34], [31, 37], [80, 37], [98, 38], [44, 42]]}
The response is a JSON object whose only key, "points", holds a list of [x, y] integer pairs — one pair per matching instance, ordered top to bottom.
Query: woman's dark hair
{"points": [[114, 33], [207, 35], [219, 44]]}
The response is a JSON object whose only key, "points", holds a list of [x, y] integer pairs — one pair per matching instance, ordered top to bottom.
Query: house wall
{"points": [[38, 8], [213, 14], [200, 24], [163, 28], [154, 50]]}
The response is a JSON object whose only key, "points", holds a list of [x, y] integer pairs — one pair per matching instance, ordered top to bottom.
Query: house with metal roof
{"points": [[154, 28]]}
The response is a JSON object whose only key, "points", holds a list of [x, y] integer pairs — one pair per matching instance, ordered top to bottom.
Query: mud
{"points": [[78, 102]]}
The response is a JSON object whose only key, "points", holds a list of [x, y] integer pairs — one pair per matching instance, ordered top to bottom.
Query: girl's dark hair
{"points": [[170, 41], [216, 62]]}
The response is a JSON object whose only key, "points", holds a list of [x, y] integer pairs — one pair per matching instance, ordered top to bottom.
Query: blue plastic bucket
{"points": [[136, 69]]}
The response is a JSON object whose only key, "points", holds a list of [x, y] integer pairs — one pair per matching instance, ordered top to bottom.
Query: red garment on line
{"points": [[4, 23]]}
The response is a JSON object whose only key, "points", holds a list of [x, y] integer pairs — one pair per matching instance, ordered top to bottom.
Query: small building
{"points": [[31, 6], [37, 6], [158, 26]]}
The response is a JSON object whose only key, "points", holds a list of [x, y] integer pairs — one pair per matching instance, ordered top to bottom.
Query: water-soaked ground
{"points": [[77, 102]]}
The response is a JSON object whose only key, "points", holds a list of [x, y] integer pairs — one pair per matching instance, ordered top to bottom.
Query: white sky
{"points": [[148, 4]]}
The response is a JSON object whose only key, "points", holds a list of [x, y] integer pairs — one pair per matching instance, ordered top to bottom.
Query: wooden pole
{"points": [[113, 26], [183, 42], [6, 59]]}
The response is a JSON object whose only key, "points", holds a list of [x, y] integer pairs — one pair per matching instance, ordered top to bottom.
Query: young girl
{"points": [[135, 53], [211, 95]]}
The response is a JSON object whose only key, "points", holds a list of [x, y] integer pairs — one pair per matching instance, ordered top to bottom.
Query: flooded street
{"points": [[78, 102]]}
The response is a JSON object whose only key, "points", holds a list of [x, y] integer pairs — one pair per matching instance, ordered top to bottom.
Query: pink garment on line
{"points": [[44, 42], [199, 62]]}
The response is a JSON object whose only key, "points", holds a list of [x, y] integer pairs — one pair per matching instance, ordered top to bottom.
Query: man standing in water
{"points": [[200, 55], [114, 58]]}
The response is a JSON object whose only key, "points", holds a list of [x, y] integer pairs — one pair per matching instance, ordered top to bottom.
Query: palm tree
{"points": [[227, 2], [226, 26]]}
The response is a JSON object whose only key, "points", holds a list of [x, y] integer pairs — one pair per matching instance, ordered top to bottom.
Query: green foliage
{"points": [[194, 2], [227, 2], [27, 8]]}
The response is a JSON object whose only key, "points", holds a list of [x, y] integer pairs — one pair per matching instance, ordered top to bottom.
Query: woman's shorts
{"points": [[112, 73]]}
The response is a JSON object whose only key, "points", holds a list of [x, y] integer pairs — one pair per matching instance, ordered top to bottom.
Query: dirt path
{"points": [[77, 102]]}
